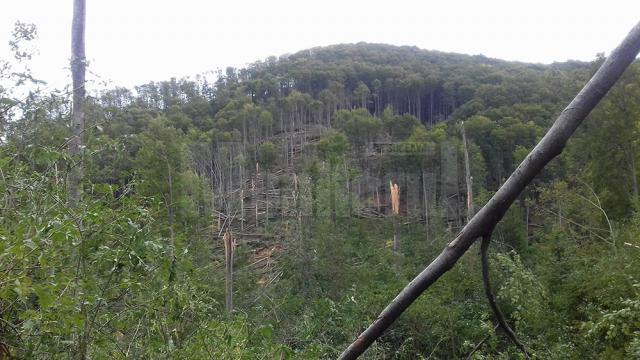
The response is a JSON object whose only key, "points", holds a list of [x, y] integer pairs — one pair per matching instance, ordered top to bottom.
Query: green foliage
{"points": [[400, 126], [360, 127], [332, 147], [267, 154], [137, 270], [522, 295], [618, 328], [232, 340]]}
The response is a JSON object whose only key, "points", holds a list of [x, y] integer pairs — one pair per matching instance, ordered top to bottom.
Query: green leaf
{"points": [[45, 297], [266, 332]]}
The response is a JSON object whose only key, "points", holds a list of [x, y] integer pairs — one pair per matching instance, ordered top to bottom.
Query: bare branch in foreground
{"points": [[486, 219]]}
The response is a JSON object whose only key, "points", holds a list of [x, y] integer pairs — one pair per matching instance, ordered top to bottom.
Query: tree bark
{"points": [[78, 64], [469, 179], [74, 185], [255, 193], [242, 198], [266, 198], [425, 203], [170, 212], [395, 213], [485, 220], [229, 249]]}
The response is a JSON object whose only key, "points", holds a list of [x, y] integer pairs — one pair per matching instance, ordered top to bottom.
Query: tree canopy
{"points": [[293, 156]]}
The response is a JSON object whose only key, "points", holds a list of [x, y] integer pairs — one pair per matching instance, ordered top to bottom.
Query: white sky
{"points": [[131, 42]]}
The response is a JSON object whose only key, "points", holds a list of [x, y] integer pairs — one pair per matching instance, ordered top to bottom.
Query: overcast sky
{"points": [[135, 41]]}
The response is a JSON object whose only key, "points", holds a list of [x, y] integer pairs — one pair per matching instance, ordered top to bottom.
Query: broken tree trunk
{"points": [[395, 213], [483, 223]]}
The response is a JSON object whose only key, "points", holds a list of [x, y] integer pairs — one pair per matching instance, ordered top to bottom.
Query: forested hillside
{"points": [[252, 217]]}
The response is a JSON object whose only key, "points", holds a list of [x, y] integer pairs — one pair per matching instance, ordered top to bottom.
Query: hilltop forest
{"points": [[272, 212]]}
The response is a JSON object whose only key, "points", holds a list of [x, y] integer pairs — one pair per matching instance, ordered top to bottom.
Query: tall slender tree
{"points": [[78, 67], [76, 173], [468, 177], [229, 249]]}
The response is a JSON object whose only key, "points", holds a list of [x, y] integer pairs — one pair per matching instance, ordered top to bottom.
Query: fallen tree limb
{"points": [[486, 219]]}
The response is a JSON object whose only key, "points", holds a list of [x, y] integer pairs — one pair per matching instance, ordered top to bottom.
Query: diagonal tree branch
{"points": [[486, 219]]}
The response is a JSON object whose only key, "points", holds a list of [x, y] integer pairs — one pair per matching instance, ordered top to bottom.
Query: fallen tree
{"points": [[483, 223]]}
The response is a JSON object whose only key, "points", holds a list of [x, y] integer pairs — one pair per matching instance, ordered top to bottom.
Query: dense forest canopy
{"points": [[252, 216]]}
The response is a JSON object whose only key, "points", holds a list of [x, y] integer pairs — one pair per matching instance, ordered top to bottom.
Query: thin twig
{"points": [[479, 345]]}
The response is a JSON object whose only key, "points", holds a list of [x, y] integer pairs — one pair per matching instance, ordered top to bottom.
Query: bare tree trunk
{"points": [[78, 65], [431, 107], [469, 178], [74, 185], [230, 193], [255, 193], [332, 194], [241, 197], [266, 198], [349, 198], [426, 203], [170, 212], [395, 213], [483, 223], [214, 231], [396, 237], [229, 249]]}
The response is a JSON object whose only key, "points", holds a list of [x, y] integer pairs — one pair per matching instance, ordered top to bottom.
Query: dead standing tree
{"points": [[78, 65], [76, 173], [468, 177], [395, 213], [483, 223], [229, 250]]}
